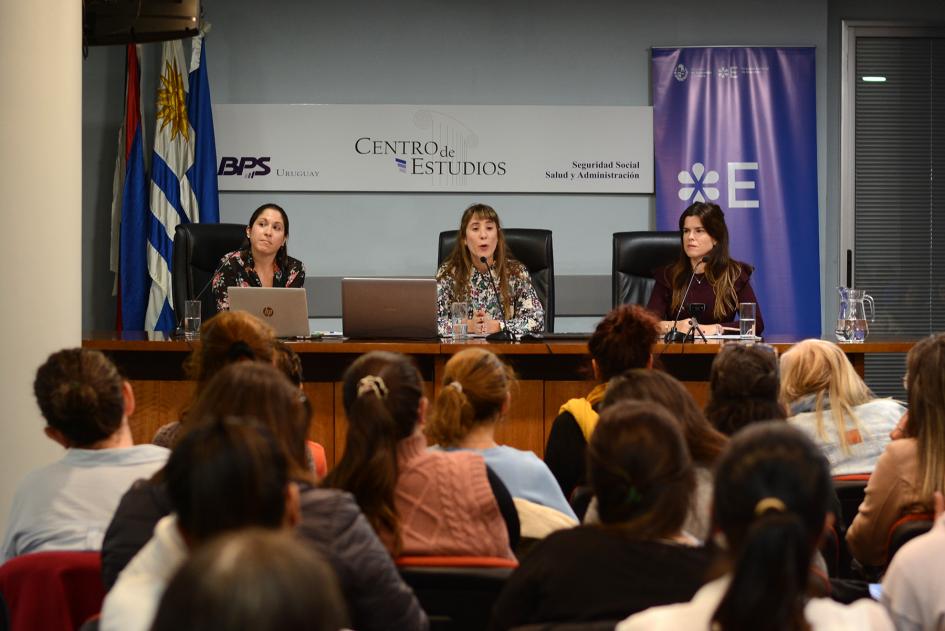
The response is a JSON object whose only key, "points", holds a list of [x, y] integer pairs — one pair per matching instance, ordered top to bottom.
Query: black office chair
{"points": [[533, 247], [198, 248], [636, 255], [456, 597]]}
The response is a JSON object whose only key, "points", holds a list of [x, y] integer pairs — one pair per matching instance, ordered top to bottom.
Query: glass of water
{"points": [[459, 314], [191, 319], [746, 320]]}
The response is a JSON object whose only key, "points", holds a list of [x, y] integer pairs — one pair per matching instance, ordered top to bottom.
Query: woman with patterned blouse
{"points": [[262, 261], [464, 278]]}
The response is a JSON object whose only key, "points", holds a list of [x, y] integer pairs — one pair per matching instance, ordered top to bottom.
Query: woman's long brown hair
{"points": [[458, 265], [720, 270]]}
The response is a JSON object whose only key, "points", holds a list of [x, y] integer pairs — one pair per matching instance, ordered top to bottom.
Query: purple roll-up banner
{"points": [[737, 127]]}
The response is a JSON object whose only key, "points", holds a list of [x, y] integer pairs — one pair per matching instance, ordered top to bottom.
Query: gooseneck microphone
{"points": [[675, 335], [498, 336]]}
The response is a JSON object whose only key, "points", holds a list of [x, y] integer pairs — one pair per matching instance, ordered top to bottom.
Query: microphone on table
{"points": [[180, 321], [675, 335], [498, 336]]}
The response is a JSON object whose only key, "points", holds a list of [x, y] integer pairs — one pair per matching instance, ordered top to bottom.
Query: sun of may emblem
{"points": [[170, 103]]}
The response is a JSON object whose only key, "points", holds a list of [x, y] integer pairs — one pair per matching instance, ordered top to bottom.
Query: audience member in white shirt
{"points": [[68, 504]]}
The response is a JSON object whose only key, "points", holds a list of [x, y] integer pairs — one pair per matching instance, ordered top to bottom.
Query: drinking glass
{"points": [[459, 314], [191, 319], [746, 320]]}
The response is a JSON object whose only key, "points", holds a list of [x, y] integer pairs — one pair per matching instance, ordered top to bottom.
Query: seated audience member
{"points": [[226, 338], [622, 340], [817, 381], [744, 387], [249, 389], [475, 397], [705, 443], [911, 469], [223, 475], [772, 492], [420, 501], [67, 505], [330, 520], [637, 556], [253, 579], [915, 581]]}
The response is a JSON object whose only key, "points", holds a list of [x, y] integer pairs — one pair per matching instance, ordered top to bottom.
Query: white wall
{"points": [[41, 180]]}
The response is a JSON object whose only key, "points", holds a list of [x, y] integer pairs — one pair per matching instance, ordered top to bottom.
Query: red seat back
{"points": [[52, 591]]}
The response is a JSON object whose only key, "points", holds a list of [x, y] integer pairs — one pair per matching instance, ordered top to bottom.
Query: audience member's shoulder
{"points": [[902, 448], [327, 508], [824, 613]]}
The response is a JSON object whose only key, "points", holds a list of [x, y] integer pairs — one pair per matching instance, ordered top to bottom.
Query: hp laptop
{"points": [[393, 308], [285, 309]]}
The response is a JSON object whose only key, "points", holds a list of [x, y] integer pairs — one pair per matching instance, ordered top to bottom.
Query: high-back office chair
{"points": [[533, 247], [198, 248], [636, 255]]}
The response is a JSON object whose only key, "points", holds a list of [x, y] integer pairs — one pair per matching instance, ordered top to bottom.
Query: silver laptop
{"points": [[398, 308], [285, 309]]}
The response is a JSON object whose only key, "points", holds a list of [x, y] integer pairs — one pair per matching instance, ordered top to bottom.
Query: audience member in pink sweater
{"points": [[420, 502]]}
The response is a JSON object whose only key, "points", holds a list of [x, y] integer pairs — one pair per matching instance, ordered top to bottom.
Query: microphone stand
{"points": [[674, 335], [498, 336]]}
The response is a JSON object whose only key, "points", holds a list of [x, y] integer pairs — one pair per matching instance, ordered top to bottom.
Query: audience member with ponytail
{"points": [[622, 340], [475, 397], [705, 443], [910, 469], [772, 493], [420, 501], [67, 505], [636, 556]]}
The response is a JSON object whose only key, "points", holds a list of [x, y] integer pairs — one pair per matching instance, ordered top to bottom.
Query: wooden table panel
{"points": [[556, 394], [322, 398], [157, 403], [522, 427]]}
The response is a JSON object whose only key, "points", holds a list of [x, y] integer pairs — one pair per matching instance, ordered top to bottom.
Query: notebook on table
{"points": [[391, 308], [285, 309]]}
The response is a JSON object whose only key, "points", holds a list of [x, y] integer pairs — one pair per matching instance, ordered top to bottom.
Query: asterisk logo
{"points": [[695, 183]]}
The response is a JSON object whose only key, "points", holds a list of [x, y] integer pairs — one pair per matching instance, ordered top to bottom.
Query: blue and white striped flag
{"points": [[172, 200]]}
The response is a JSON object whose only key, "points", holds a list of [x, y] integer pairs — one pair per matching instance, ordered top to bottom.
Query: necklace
{"points": [[698, 280]]}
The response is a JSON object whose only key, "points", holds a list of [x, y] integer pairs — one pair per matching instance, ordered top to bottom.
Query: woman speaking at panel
{"points": [[262, 261], [463, 277], [717, 282]]}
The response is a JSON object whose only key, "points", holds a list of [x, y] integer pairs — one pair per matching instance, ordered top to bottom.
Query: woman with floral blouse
{"points": [[262, 261], [463, 277]]}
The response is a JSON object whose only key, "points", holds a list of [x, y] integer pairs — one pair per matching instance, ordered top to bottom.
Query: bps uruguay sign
{"points": [[541, 149]]}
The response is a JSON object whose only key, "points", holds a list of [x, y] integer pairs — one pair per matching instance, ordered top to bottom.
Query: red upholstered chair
{"points": [[52, 591], [457, 593]]}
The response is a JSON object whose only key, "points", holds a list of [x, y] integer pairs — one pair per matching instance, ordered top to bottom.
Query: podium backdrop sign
{"points": [[737, 127], [434, 148]]}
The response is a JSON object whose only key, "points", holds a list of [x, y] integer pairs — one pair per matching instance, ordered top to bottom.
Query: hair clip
{"points": [[239, 350], [372, 383], [455, 385], [769, 504]]}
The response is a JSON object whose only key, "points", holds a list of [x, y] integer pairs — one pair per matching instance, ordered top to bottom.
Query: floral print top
{"points": [[237, 269], [528, 315]]}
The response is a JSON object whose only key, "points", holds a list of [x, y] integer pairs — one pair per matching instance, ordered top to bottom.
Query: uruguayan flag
{"points": [[172, 200]]}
